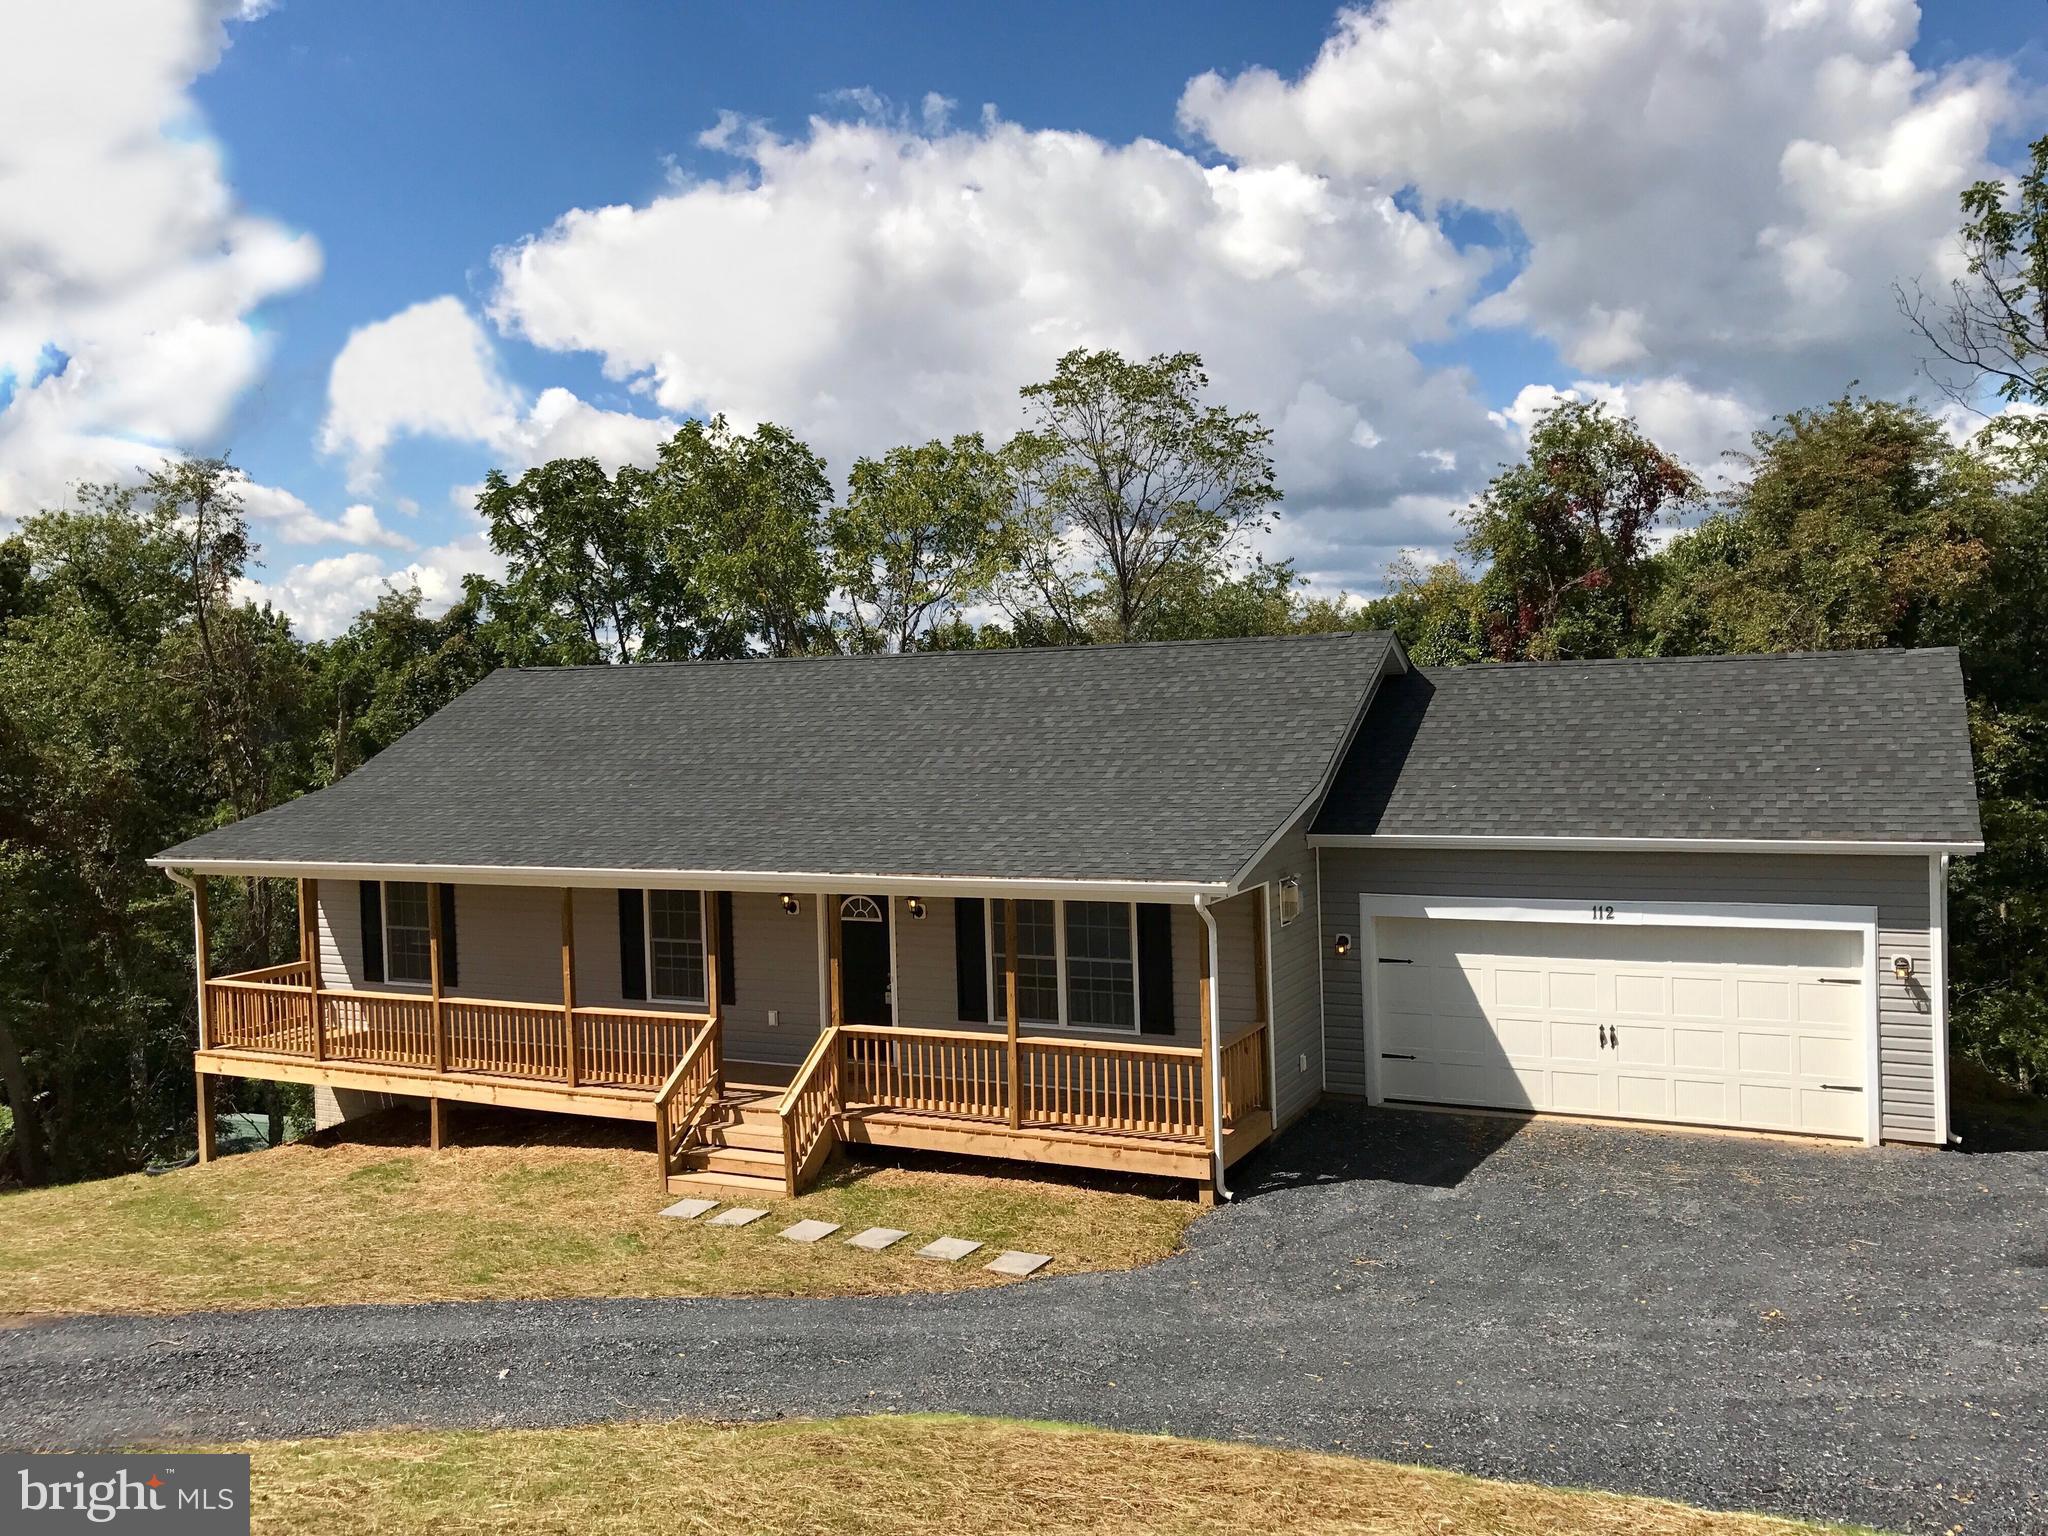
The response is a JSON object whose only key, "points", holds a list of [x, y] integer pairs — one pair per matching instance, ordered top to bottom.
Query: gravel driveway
{"points": [[1741, 1324]]}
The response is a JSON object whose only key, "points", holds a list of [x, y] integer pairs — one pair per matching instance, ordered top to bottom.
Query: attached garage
{"points": [[1700, 891], [1758, 1020]]}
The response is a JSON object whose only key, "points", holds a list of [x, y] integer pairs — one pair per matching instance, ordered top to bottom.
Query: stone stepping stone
{"points": [[690, 1210], [736, 1216], [810, 1231], [875, 1239], [947, 1250], [1018, 1265]]}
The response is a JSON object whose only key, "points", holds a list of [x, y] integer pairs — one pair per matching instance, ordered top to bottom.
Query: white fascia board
{"points": [[1633, 844], [708, 879]]}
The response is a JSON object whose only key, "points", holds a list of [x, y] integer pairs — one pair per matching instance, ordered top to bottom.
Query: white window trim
{"points": [[384, 928], [647, 944], [998, 1005]]}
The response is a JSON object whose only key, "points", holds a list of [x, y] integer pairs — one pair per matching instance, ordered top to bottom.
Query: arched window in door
{"points": [[859, 909]]}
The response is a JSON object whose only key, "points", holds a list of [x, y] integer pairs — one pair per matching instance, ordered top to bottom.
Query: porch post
{"points": [[199, 943], [309, 952], [712, 980], [1262, 990], [1206, 991], [436, 1020], [572, 1045], [205, 1085], [1016, 1094], [437, 1124]]}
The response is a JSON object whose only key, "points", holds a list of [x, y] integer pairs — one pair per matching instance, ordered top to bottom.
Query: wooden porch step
{"points": [[746, 1133], [747, 1160], [754, 1184]]}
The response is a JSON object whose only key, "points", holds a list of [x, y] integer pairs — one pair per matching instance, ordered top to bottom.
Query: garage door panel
{"points": [[1578, 991], [1640, 994], [1821, 1002], [1741, 1027], [1642, 1098]]}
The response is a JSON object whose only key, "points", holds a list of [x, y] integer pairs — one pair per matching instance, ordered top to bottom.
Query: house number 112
{"points": [[1602, 914]]}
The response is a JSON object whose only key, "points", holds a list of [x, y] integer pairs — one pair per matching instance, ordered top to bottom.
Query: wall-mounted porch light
{"points": [[789, 903], [915, 906], [1343, 943], [1902, 966]]}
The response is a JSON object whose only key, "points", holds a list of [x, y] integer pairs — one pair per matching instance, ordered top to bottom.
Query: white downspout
{"points": [[198, 974], [1214, 1065]]}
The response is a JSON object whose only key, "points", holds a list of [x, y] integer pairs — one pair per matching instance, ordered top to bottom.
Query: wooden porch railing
{"points": [[270, 1010], [1144, 1090], [1246, 1090], [690, 1092], [811, 1107]]}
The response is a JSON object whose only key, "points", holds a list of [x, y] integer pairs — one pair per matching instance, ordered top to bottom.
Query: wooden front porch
{"points": [[1125, 1106]]}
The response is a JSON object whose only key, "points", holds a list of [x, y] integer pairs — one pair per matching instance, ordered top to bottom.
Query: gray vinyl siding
{"points": [[1896, 887], [1295, 956]]}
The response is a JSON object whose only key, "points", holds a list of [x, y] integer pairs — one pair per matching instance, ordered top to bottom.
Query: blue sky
{"points": [[1394, 235]]}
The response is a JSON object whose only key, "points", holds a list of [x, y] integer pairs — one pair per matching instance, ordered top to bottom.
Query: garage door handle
{"points": [[1385, 961], [1394, 1056], [1841, 1088]]}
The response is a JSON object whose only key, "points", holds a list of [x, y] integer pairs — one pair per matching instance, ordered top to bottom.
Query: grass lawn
{"points": [[525, 1207], [918, 1476]]}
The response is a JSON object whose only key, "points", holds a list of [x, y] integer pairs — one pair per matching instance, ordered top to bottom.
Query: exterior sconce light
{"points": [[789, 903], [915, 906], [1343, 943], [1902, 966]]}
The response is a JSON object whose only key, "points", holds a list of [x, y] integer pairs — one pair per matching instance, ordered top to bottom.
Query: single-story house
{"points": [[1130, 907]]}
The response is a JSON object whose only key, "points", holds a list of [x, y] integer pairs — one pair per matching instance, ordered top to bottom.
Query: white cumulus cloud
{"points": [[1716, 190], [128, 274]]}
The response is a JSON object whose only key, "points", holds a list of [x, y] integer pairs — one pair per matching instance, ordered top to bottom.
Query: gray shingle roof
{"points": [[1850, 746], [1171, 761]]}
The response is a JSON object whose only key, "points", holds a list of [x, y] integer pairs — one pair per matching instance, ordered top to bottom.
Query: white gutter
{"points": [[1634, 844], [773, 881], [1214, 1065]]}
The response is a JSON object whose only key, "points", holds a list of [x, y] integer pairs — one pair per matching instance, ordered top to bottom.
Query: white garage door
{"points": [[1763, 1029]]}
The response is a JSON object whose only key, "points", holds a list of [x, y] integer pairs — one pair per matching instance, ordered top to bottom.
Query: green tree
{"points": [[1991, 327], [1132, 494], [739, 518], [1857, 524], [924, 532], [1563, 537], [588, 574], [1436, 609], [392, 668], [140, 700]]}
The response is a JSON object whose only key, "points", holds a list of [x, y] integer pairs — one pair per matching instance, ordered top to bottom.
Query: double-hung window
{"points": [[408, 942], [675, 946], [1077, 964]]}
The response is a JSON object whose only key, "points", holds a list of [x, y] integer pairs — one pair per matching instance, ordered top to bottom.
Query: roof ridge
{"points": [[1078, 648], [1481, 668]]}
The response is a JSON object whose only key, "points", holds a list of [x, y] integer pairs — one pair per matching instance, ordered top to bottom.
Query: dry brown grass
{"points": [[524, 1207], [921, 1476]]}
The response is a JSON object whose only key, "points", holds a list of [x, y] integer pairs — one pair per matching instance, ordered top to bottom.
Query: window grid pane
{"points": [[675, 943], [408, 949], [1038, 962], [1101, 979]]}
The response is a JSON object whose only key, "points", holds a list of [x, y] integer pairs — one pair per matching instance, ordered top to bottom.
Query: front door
{"points": [[864, 978]]}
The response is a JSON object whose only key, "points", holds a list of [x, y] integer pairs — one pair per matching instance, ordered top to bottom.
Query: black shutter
{"points": [[445, 894], [373, 929], [632, 945], [970, 958], [1155, 968], [728, 985]]}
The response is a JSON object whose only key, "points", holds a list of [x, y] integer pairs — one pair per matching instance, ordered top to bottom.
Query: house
{"points": [[1130, 907]]}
